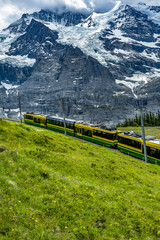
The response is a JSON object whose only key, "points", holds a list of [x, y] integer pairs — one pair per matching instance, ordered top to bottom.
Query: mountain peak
{"points": [[65, 19], [107, 59]]}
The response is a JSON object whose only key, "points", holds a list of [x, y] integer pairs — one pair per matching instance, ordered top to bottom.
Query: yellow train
{"points": [[129, 143]]}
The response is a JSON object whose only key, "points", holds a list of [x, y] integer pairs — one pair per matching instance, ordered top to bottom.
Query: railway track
{"points": [[82, 140]]}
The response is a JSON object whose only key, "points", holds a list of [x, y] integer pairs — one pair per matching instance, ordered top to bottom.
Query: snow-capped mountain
{"points": [[100, 63]]}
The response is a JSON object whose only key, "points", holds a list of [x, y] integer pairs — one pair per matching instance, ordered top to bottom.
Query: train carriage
{"points": [[35, 119], [57, 124], [103, 137], [129, 142], [132, 144], [153, 151]]}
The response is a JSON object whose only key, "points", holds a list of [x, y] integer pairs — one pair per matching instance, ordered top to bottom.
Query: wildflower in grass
{"points": [[65, 226]]}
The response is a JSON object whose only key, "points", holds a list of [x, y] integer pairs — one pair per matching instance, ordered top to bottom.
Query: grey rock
{"points": [[90, 88]]}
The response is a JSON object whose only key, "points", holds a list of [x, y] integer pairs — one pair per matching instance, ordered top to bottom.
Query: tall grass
{"points": [[55, 187]]}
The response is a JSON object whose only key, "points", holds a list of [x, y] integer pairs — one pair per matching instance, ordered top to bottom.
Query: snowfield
{"points": [[86, 36]]}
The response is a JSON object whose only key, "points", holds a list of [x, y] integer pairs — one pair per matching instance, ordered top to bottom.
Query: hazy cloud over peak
{"points": [[11, 10]]}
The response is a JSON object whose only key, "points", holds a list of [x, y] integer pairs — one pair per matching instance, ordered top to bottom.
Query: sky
{"points": [[11, 10]]}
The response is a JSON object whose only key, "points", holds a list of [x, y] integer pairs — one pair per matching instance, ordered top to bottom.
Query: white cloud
{"points": [[11, 10]]}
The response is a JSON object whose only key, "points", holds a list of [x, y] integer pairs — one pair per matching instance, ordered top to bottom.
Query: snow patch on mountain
{"points": [[153, 12], [117, 33], [85, 36], [88, 38], [7, 39], [88, 41], [125, 53], [151, 56], [17, 61], [139, 79], [132, 82], [8, 86]]}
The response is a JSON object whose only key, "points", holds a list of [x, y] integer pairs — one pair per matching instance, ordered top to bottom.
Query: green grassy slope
{"points": [[55, 187]]}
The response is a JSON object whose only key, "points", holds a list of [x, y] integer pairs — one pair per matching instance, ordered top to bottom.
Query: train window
{"points": [[28, 117], [36, 120], [49, 121], [62, 124], [69, 125], [87, 132], [94, 132], [97, 133], [104, 135], [109, 136], [129, 142], [137, 144], [153, 152]]}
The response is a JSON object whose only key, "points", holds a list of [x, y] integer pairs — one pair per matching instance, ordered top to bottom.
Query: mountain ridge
{"points": [[101, 65]]}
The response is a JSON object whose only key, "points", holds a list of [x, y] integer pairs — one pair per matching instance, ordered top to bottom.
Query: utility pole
{"points": [[19, 99], [3, 113], [65, 132], [143, 134]]}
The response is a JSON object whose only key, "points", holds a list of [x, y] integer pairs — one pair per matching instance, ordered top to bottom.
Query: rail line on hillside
{"points": [[82, 140]]}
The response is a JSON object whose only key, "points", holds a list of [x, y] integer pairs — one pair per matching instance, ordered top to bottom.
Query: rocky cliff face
{"points": [[101, 64]]}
